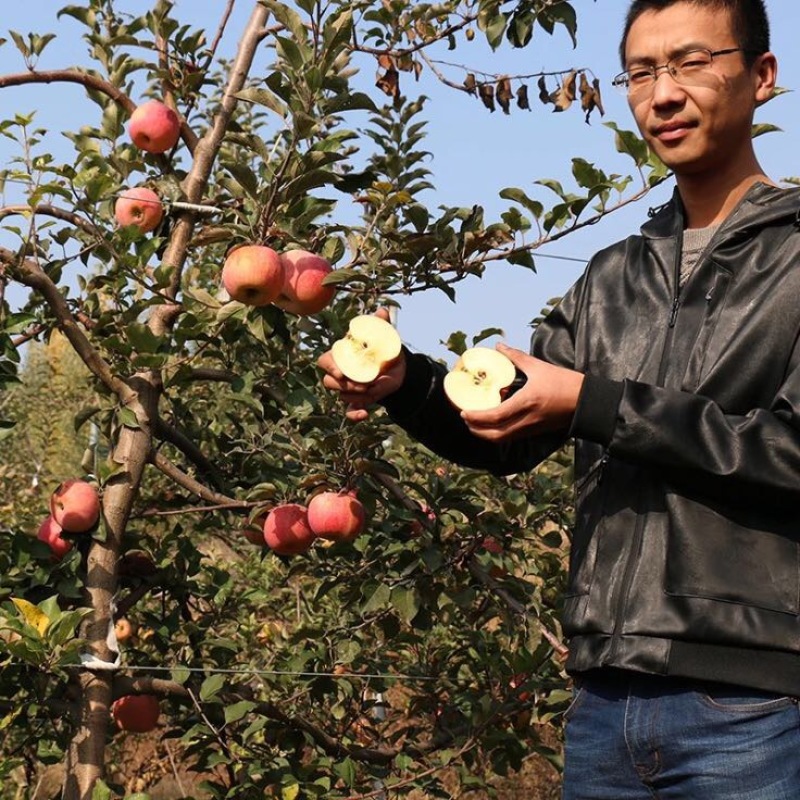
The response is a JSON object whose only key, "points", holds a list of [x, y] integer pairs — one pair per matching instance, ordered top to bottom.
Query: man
{"points": [[674, 362]]}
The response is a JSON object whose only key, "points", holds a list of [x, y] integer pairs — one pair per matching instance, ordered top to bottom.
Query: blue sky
{"points": [[475, 154]]}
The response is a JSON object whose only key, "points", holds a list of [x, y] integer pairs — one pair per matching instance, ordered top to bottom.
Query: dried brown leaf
{"points": [[385, 61], [389, 83], [470, 83], [569, 85], [486, 92], [504, 94], [544, 95], [522, 98], [561, 99], [598, 100]]}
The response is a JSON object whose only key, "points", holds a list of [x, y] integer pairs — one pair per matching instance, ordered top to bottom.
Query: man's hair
{"points": [[749, 18]]}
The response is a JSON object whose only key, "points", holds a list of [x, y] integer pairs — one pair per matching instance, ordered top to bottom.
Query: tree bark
{"points": [[86, 754]]}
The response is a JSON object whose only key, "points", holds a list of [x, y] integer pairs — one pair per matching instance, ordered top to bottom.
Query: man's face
{"points": [[694, 128]]}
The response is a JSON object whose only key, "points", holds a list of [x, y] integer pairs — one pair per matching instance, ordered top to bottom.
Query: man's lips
{"points": [[670, 131]]}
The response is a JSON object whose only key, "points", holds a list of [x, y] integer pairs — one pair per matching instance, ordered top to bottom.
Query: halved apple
{"points": [[371, 343], [479, 379]]}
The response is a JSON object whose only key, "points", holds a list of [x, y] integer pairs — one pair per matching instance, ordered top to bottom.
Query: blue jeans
{"points": [[639, 737]]}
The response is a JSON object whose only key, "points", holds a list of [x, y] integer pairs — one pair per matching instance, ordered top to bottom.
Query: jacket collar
{"points": [[761, 205]]}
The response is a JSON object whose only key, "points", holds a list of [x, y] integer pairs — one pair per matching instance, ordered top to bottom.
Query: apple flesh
{"points": [[154, 127], [139, 206], [253, 275], [303, 292], [371, 344], [479, 379], [75, 506], [336, 516], [286, 530], [50, 533], [137, 713]]}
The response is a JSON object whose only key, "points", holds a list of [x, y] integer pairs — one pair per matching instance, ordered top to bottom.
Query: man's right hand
{"points": [[359, 396]]}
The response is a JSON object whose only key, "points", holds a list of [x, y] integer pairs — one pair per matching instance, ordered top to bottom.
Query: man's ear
{"points": [[765, 75]]}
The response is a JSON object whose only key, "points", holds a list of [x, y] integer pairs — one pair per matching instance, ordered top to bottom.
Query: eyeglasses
{"points": [[686, 68]]}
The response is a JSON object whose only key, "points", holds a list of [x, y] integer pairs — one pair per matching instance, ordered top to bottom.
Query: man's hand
{"points": [[359, 396], [546, 402]]}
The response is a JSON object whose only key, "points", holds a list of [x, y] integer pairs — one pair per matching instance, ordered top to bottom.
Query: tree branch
{"points": [[90, 82], [45, 209], [33, 276], [163, 317], [168, 433], [163, 464]]}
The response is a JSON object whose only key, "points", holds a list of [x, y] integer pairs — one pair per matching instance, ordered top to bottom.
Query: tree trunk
{"points": [[86, 754]]}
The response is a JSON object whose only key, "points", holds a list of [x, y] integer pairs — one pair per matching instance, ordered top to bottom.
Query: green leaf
{"points": [[288, 17], [20, 43], [292, 53], [265, 98], [357, 101], [761, 128], [630, 143], [518, 196], [522, 258], [487, 333], [142, 338], [456, 343], [127, 417], [6, 428], [378, 600], [406, 602], [211, 687], [238, 710], [346, 770], [101, 791]]}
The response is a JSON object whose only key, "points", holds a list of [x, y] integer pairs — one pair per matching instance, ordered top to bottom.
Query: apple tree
{"points": [[423, 654]]}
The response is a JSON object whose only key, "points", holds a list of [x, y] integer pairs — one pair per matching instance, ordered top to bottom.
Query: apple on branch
{"points": [[154, 127], [139, 206], [253, 275], [303, 291], [370, 345], [480, 379], [75, 506], [336, 516], [286, 530], [50, 533], [123, 629], [137, 713]]}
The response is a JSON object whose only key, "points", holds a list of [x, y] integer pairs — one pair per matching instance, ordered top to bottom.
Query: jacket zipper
{"points": [[636, 543]]}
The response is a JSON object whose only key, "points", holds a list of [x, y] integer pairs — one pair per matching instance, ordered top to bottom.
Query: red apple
{"points": [[154, 127], [139, 206], [253, 275], [303, 291], [75, 506], [336, 516], [286, 529], [50, 534], [491, 545], [137, 713]]}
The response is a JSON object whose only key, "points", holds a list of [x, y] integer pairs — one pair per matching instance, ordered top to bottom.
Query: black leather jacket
{"points": [[686, 550]]}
